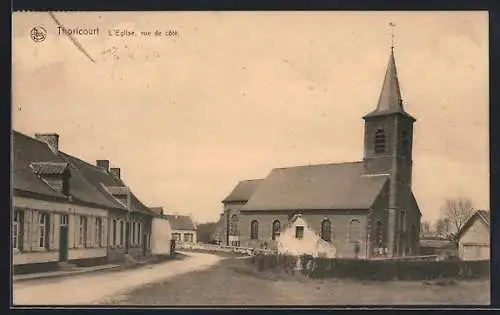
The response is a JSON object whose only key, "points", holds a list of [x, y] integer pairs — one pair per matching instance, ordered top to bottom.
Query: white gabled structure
{"points": [[297, 238]]}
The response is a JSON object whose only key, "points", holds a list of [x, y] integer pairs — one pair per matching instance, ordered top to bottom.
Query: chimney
{"points": [[51, 139], [103, 164], [115, 171]]}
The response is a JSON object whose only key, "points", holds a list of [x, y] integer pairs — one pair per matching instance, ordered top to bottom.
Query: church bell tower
{"points": [[388, 142]]}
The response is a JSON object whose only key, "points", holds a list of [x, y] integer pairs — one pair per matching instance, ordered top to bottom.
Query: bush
{"points": [[378, 270]]}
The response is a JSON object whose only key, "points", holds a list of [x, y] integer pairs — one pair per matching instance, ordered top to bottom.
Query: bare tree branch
{"points": [[456, 212]]}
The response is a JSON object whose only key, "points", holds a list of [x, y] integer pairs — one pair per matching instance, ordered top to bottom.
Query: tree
{"points": [[456, 212], [425, 227], [442, 227], [205, 231]]}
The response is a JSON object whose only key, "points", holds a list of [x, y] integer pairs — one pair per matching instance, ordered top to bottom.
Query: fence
{"points": [[222, 249], [384, 270]]}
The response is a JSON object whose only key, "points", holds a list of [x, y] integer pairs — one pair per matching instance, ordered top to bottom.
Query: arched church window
{"points": [[379, 141], [233, 225], [276, 229], [254, 230], [326, 230], [354, 230]]}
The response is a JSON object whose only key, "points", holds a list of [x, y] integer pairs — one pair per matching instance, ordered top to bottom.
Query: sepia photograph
{"points": [[259, 158]]}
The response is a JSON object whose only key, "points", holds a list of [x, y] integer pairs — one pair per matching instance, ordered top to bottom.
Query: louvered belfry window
{"points": [[379, 141]]}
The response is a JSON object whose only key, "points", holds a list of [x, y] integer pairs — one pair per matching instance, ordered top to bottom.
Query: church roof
{"points": [[390, 101], [317, 187], [243, 190]]}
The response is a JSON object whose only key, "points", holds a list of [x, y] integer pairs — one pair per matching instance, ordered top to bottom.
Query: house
{"points": [[366, 204], [232, 205], [79, 212], [57, 215], [130, 224], [183, 228], [161, 233], [474, 237], [298, 238], [431, 244]]}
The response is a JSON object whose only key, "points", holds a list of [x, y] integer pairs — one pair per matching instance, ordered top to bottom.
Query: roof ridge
{"points": [[319, 164]]}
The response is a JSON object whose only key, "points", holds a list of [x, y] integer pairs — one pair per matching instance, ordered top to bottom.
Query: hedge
{"points": [[382, 270]]}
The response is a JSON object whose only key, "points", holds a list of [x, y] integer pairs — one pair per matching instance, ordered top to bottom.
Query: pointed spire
{"points": [[390, 95], [390, 101]]}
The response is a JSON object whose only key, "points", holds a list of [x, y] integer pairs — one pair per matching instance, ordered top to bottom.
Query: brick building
{"points": [[364, 208]]}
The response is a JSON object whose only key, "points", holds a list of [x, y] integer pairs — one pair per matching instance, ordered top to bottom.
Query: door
{"points": [[63, 238]]}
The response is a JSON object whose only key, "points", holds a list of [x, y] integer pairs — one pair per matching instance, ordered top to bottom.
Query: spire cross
{"points": [[392, 34]]}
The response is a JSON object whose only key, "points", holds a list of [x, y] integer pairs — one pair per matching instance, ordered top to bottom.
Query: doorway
{"points": [[63, 238]]}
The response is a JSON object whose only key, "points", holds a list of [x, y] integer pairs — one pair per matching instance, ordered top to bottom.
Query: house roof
{"points": [[390, 95], [29, 152], [88, 183], [107, 183], [317, 187], [243, 190], [482, 215], [181, 222], [436, 243]]}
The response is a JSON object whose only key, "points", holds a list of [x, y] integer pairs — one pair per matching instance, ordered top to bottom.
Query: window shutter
{"points": [[53, 218], [35, 231], [104, 232]]}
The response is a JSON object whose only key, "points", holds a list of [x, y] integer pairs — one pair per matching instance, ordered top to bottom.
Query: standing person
{"points": [[356, 250]]}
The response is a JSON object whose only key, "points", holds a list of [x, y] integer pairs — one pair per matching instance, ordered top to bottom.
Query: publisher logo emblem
{"points": [[38, 34]]}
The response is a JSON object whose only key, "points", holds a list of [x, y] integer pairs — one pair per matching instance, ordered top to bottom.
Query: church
{"points": [[365, 209]]}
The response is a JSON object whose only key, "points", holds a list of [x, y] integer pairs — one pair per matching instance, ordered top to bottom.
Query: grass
{"points": [[235, 282]]}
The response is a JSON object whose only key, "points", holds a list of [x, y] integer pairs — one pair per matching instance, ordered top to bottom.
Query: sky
{"points": [[235, 94]]}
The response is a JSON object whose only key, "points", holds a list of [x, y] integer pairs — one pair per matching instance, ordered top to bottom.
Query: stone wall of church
{"points": [[347, 228], [231, 237]]}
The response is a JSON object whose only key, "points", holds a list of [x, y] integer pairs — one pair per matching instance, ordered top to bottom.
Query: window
{"points": [[405, 140], [379, 141], [402, 221], [233, 225], [17, 229], [44, 229], [276, 229], [122, 230], [254, 230], [326, 230], [354, 230], [83, 231], [98, 231], [114, 232], [133, 232], [299, 232], [379, 233], [176, 237], [188, 237]]}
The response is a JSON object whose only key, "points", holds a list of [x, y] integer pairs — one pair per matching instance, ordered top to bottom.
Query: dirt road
{"points": [[100, 288]]}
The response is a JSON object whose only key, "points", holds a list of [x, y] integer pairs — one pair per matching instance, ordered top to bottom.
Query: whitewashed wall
{"points": [[161, 234], [310, 244], [34, 254]]}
